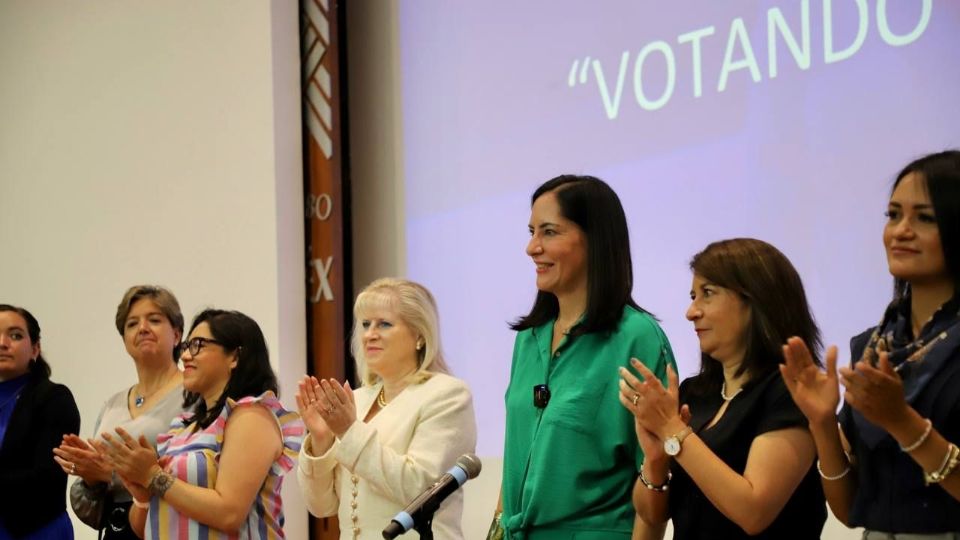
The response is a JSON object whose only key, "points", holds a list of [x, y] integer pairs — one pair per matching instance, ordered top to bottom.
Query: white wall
{"points": [[151, 143]]}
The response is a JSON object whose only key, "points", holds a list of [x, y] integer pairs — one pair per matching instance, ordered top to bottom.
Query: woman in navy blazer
{"points": [[35, 414]]}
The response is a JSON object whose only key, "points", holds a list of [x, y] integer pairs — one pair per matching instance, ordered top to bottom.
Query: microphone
{"points": [[422, 508]]}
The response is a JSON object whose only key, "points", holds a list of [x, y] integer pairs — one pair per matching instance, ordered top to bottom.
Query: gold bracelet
{"points": [[950, 461]]}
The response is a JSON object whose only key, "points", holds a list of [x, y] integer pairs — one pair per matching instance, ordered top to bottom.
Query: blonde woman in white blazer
{"points": [[374, 449]]}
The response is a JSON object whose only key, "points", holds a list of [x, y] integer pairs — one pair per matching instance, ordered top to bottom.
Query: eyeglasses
{"points": [[194, 345]]}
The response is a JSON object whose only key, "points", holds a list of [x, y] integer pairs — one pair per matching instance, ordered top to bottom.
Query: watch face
{"points": [[671, 446]]}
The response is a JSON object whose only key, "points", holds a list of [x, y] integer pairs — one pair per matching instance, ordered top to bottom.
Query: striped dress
{"points": [[194, 457]]}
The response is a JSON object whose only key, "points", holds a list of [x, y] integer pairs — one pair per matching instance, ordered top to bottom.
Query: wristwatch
{"points": [[671, 445], [160, 483]]}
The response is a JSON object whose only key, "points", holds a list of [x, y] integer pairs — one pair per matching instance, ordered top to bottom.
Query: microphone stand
{"points": [[425, 529]]}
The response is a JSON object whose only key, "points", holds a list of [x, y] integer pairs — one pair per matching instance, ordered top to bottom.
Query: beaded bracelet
{"points": [[923, 438], [950, 461], [835, 477], [653, 487]]}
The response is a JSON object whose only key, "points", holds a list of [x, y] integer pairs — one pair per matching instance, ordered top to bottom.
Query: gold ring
{"points": [[636, 398], [73, 468]]}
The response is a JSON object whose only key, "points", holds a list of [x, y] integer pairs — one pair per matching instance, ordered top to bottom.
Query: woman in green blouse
{"points": [[571, 456]]}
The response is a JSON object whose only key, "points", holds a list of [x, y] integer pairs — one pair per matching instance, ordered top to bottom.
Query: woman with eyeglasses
{"points": [[149, 320], [35, 413], [890, 465], [218, 471]]}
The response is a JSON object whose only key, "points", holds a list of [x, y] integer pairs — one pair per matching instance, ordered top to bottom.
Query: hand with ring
{"points": [[335, 404], [655, 408], [321, 435], [79, 457]]}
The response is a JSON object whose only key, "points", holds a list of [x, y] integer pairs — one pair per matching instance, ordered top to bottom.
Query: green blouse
{"points": [[569, 468]]}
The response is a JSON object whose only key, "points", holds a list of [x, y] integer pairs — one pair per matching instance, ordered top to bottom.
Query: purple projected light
{"points": [[781, 120]]}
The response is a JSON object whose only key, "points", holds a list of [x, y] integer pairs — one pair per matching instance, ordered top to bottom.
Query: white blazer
{"points": [[396, 456]]}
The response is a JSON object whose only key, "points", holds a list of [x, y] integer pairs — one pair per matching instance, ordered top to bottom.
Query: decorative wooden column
{"points": [[327, 226]]}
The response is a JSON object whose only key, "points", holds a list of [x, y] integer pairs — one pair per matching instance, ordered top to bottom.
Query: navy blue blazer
{"points": [[32, 486]]}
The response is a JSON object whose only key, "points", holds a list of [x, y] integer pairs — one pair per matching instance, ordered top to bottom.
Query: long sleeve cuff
{"points": [[313, 465]]}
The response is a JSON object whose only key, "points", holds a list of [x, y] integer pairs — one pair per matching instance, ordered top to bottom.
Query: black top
{"points": [[762, 406], [32, 485], [891, 495]]}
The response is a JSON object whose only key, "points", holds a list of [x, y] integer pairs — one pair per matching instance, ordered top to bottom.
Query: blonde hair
{"points": [[416, 307]]}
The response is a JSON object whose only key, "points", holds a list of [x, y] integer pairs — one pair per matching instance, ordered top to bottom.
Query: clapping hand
{"points": [[816, 392], [875, 392], [330, 400], [308, 405], [655, 409], [79, 457], [134, 460]]}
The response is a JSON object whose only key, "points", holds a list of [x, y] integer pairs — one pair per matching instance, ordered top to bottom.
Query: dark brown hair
{"points": [[940, 173], [595, 208], [769, 285], [38, 366], [252, 376]]}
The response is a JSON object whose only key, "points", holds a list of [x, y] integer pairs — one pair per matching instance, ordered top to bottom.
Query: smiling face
{"points": [[911, 236], [558, 248], [720, 318], [147, 333], [389, 344], [16, 348], [207, 372]]}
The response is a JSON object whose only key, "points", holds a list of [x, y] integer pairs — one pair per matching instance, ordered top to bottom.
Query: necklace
{"points": [[565, 328], [723, 392], [139, 399], [381, 400]]}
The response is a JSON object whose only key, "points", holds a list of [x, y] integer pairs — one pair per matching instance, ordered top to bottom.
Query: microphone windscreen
{"points": [[470, 464]]}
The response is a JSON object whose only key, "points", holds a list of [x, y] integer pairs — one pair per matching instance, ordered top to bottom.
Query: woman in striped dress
{"points": [[217, 473]]}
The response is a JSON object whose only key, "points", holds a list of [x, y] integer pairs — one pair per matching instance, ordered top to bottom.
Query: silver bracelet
{"points": [[923, 438], [835, 477]]}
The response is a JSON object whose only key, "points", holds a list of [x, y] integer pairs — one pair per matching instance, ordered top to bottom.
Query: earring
{"points": [[419, 344]]}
